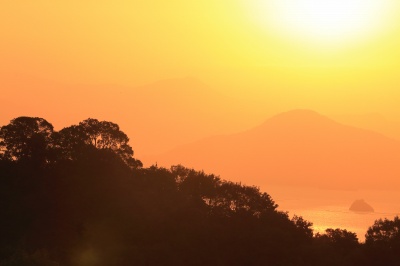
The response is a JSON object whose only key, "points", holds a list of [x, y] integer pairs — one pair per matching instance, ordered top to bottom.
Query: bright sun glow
{"points": [[324, 21]]}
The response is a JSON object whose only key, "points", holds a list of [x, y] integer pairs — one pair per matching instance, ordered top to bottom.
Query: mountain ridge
{"points": [[296, 154]]}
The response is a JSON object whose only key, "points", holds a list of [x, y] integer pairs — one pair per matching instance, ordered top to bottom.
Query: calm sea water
{"points": [[330, 208], [340, 217]]}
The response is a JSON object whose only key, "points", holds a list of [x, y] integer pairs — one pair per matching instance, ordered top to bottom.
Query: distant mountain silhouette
{"points": [[173, 112], [157, 116], [372, 121], [299, 147], [361, 206]]}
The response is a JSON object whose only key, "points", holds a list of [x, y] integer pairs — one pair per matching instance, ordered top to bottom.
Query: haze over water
{"points": [[330, 208]]}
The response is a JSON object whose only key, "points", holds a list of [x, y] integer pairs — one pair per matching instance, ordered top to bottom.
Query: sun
{"points": [[324, 21]]}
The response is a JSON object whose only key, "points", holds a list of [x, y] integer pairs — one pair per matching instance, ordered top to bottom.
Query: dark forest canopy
{"points": [[34, 139], [78, 197]]}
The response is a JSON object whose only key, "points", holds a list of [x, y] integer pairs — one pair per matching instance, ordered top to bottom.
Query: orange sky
{"points": [[60, 59], [173, 72]]}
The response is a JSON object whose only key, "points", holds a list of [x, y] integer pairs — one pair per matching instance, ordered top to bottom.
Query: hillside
{"points": [[158, 116], [299, 147]]}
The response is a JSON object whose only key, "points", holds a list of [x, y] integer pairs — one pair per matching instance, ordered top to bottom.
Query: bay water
{"points": [[327, 208]]}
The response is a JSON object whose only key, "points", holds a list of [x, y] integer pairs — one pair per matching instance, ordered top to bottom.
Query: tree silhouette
{"points": [[91, 133], [26, 138], [69, 142], [92, 197], [303, 226], [384, 232], [340, 238], [382, 241], [336, 247]]}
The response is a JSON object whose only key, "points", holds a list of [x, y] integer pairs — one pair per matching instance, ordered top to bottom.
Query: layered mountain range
{"points": [[299, 147]]}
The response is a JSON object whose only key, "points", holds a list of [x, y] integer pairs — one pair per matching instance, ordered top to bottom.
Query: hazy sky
{"points": [[334, 57], [229, 65]]}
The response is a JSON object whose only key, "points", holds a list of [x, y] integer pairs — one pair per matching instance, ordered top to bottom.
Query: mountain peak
{"points": [[180, 82], [298, 113], [299, 117]]}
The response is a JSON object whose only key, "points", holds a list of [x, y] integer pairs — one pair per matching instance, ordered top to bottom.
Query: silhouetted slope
{"points": [[176, 111], [159, 116], [373, 121], [299, 147], [78, 197]]}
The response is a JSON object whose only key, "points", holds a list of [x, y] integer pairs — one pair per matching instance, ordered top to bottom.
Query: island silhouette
{"points": [[361, 206]]}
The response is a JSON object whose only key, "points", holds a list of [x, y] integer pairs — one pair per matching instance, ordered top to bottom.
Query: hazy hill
{"points": [[168, 113], [157, 116], [371, 121], [299, 147]]}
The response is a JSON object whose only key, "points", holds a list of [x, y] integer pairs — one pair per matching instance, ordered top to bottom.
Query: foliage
{"points": [[26, 138], [34, 139], [78, 197], [384, 232], [339, 237], [382, 241]]}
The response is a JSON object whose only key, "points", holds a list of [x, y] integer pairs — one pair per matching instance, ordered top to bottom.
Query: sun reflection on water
{"points": [[340, 217]]}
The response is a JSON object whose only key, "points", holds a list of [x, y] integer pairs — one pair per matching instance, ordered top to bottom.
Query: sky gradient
{"points": [[59, 55], [183, 78]]}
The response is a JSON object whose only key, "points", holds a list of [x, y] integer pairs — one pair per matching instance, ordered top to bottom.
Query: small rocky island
{"points": [[361, 206]]}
